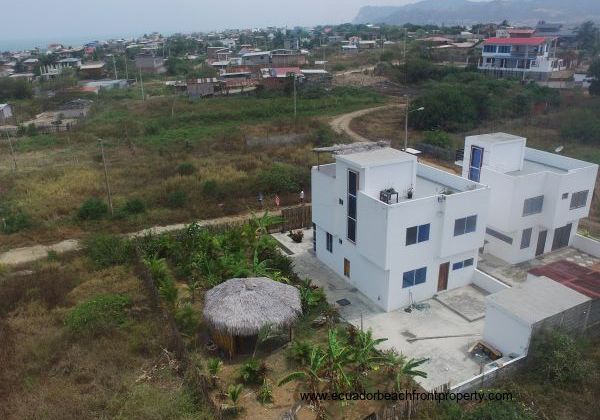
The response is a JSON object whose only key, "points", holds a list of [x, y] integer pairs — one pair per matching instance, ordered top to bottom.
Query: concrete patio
{"points": [[440, 332]]}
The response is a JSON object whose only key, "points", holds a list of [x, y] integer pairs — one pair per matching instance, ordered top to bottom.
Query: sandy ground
{"points": [[341, 124]]}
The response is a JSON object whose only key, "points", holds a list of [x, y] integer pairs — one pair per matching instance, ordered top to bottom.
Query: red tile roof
{"points": [[536, 40]]}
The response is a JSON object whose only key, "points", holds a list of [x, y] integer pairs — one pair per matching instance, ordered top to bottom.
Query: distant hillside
{"points": [[455, 12]]}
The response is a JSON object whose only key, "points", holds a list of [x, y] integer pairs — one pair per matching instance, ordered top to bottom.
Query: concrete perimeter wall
{"points": [[587, 245], [487, 282], [488, 378]]}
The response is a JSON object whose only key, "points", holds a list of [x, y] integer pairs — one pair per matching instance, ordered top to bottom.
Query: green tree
{"points": [[587, 36], [594, 72]]}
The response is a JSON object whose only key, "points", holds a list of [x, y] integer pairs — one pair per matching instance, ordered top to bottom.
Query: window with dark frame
{"points": [[579, 199], [533, 205], [352, 216], [465, 225], [417, 234], [314, 238], [526, 238], [329, 241], [462, 264], [414, 277]]}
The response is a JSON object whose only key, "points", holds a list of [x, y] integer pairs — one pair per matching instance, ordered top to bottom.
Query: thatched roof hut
{"points": [[237, 309]]}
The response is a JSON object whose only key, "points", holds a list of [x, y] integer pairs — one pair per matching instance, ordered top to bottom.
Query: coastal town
{"points": [[365, 220]]}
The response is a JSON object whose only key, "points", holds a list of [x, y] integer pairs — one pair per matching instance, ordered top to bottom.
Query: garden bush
{"points": [[438, 138], [186, 168], [281, 177], [177, 199], [134, 206], [92, 209], [15, 221], [108, 250], [99, 314], [186, 319], [253, 371]]}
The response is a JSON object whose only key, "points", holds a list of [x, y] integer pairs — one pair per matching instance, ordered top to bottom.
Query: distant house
{"points": [[555, 30], [335, 39], [291, 44], [367, 45], [349, 49], [212, 52], [526, 57], [256, 58], [287, 58], [70, 62], [30, 63], [148, 63], [92, 70], [317, 78], [202, 87], [77, 108], [6, 114]]}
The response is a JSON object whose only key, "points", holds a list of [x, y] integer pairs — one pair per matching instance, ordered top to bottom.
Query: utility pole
{"points": [[404, 49], [115, 66], [126, 71], [142, 85], [295, 99], [406, 123], [12, 152], [109, 195]]}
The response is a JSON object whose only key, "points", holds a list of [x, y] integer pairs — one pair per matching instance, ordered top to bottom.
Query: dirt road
{"points": [[341, 124], [37, 252]]}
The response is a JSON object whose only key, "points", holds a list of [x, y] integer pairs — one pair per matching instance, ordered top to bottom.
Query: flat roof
{"points": [[536, 40], [499, 137], [376, 157], [531, 167], [585, 280], [536, 299]]}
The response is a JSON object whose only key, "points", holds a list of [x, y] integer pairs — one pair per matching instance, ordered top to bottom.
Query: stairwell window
{"points": [[352, 216], [465, 225], [417, 234], [526, 238], [329, 241]]}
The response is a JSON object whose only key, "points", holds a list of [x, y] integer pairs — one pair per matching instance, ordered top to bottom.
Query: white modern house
{"points": [[537, 197], [397, 230]]}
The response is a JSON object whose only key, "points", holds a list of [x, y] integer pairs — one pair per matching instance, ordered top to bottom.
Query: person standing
{"points": [[301, 196], [260, 199]]}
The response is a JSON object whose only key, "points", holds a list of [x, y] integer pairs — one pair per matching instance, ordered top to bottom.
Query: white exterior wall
{"points": [[508, 193], [380, 256], [505, 332]]}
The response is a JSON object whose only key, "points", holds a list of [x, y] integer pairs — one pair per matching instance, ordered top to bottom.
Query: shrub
{"points": [[581, 125], [438, 138], [186, 168], [281, 178], [210, 188], [177, 199], [134, 206], [92, 209], [15, 222], [108, 250], [99, 314], [186, 319], [300, 351], [556, 357], [214, 366], [253, 372], [265, 393], [499, 410]]}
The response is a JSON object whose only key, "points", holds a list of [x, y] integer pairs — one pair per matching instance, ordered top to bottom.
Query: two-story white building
{"points": [[537, 197], [397, 230]]}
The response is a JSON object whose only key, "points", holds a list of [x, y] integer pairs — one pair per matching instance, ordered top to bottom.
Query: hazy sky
{"points": [[46, 19]]}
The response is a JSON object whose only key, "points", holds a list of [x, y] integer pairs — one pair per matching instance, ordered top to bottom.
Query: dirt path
{"points": [[341, 124], [37, 252]]}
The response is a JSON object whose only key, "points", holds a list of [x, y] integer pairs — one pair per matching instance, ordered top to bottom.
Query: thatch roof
{"points": [[244, 306]]}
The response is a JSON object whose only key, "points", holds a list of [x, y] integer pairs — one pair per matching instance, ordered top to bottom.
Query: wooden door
{"points": [[346, 268], [443, 277]]}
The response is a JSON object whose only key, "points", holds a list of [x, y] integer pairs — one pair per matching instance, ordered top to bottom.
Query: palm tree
{"points": [[338, 357], [400, 368], [312, 376], [234, 392]]}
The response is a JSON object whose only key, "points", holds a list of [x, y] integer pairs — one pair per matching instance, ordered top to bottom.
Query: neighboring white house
{"points": [[537, 198], [397, 230], [513, 315]]}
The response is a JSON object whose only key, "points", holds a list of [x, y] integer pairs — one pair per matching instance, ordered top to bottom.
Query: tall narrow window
{"points": [[475, 163], [352, 216], [314, 238], [526, 238], [329, 241], [346, 267]]}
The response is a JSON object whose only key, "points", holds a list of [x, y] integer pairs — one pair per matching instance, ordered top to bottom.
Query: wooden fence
{"points": [[296, 218]]}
